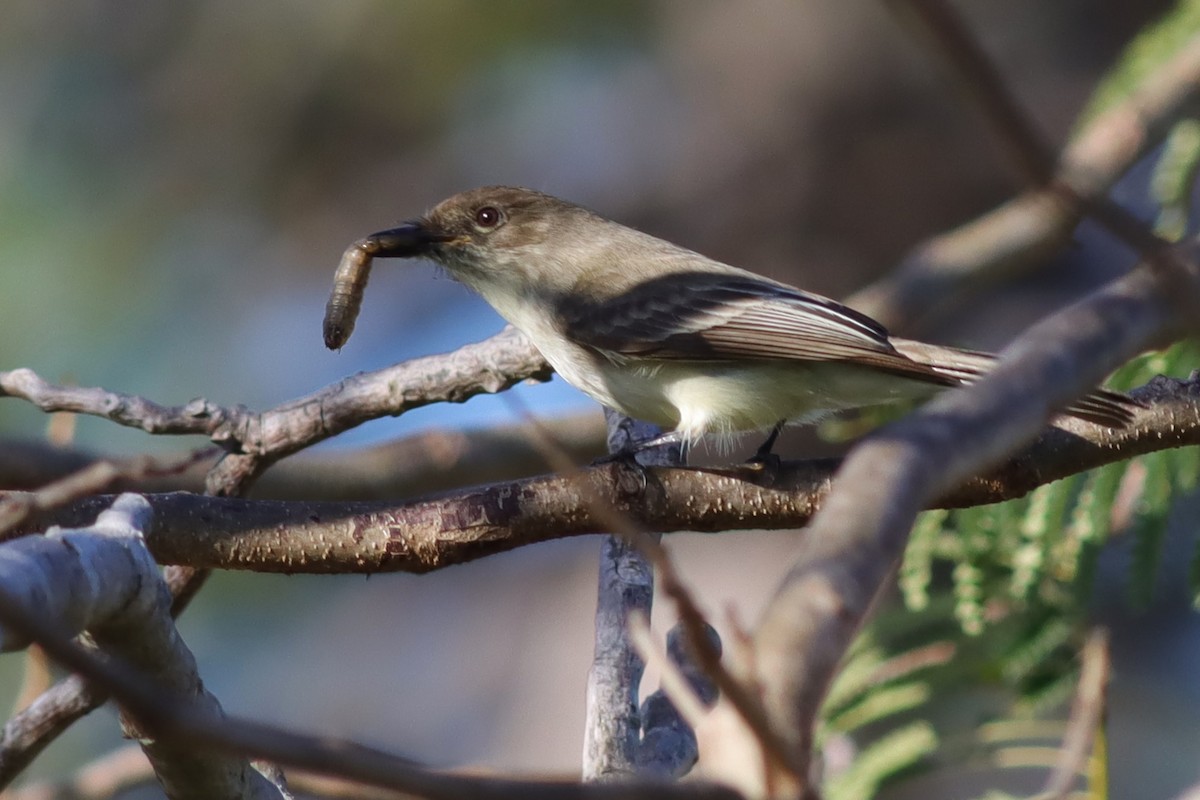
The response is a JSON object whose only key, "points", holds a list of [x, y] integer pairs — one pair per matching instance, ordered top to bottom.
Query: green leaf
{"points": [[1152, 47], [1174, 176], [1185, 467], [1042, 527], [1149, 528], [916, 568], [969, 597], [1034, 651], [854, 678], [880, 704], [899, 750]]}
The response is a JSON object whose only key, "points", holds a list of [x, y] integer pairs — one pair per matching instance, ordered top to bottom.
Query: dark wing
{"points": [[702, 316]]}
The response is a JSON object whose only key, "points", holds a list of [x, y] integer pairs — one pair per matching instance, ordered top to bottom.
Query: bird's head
{"points": [[489, 230]]}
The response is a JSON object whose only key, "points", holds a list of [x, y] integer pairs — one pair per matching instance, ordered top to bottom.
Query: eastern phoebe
{"points": [[661, 333]]}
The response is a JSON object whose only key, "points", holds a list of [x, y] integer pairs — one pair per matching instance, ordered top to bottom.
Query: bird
{"points": [[662, 333]]}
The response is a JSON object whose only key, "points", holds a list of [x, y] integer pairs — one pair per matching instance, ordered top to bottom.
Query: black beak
{"points": [[409, 240]]}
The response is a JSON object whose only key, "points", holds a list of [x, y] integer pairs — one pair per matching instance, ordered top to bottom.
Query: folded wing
{"points": [[718, 317]]}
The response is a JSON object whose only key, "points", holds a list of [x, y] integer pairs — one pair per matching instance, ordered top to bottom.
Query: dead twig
{"points": [[1086, 721]]}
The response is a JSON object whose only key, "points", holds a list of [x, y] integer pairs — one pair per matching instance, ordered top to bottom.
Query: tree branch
{"points": [[953, 39], [489, 366], [262, 439], [257, 440], [429, 461], [432, 533], [101, 579], [670, 715], [1087, 717], [109, 776]]}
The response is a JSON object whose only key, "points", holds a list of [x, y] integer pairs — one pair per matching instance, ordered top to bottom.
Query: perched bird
{"points": [[662, 333]]}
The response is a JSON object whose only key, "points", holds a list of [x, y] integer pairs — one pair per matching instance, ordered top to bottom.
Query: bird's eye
{"points": [[488, 217]]}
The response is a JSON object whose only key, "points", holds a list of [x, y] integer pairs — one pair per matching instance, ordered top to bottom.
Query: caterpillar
{"points": [[345, 299]]}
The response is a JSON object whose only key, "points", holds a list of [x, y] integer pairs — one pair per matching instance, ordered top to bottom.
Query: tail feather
{"points": [[1101, 406]]}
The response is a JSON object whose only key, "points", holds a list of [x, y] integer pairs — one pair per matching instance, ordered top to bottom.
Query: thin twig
{"points": [[978, 75], [1024, 231], [489, 366], [677, 687], [669, 716], [1087, 718], [27, 733], [119, 771]]}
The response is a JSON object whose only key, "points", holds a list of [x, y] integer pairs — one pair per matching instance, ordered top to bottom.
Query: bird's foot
{"points": [[632, 450], [626, 455], [764, 457]]}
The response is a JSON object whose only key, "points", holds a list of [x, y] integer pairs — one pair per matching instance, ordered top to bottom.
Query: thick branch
{"points": [[432, 533], [102, 579]]}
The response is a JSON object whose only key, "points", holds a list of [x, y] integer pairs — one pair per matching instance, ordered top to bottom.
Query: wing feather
{"points": [[718, 317]]}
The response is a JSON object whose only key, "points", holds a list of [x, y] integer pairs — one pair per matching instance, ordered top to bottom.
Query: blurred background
{"points": [[178, 181]]}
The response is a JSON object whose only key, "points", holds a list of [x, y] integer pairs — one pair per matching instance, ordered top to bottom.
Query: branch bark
{"points": [[489, 366], [433, 533], [102, 579]]}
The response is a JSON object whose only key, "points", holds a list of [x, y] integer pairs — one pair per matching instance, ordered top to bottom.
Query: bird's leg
{"points": [[763, 454]]}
